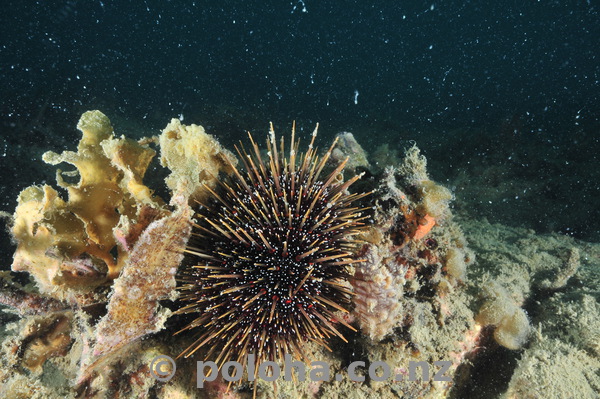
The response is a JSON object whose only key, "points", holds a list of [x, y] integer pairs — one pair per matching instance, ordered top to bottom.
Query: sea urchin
{"points": [[270, 256]]}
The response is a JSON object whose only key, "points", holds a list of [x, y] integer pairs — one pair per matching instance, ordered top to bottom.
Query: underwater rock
{"points": [[347, 147], [112, 241], [409, 252], [102, 266], [562, 278], [552, 280], [410, 298], [40, 338], [553, 366]]}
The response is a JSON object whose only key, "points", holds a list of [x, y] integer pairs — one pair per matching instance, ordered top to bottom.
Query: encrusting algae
{"points": [[194, 158], [104, 262]]}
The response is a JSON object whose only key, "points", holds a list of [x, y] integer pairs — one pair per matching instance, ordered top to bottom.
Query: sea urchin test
{"points": [[270, 256]]}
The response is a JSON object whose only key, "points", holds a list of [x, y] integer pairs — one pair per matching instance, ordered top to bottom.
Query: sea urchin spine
{"points": [[271, 252]]}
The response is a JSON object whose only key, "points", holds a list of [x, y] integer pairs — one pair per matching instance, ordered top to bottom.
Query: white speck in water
{"points": [[302, 4], [355, 96]]}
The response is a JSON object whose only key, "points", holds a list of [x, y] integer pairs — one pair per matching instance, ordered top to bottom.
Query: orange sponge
{"points": [[425, 226]]}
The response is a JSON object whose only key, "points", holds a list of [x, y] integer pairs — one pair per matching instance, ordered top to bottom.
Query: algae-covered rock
{"points": [[346, 146], [194, 158], [111, 248], [104, 257], [409, 292], [537, 295], [558, 369]]}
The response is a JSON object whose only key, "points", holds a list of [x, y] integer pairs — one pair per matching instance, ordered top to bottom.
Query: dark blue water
{"points": [[445, 63], [515, 83]]}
